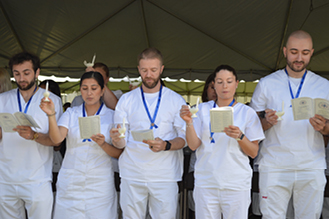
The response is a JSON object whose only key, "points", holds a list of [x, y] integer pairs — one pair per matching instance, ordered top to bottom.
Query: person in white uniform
{"points": [[110, 99], [25, 154], [292, 156], [150, 169], [222, 170], [85, 187]]}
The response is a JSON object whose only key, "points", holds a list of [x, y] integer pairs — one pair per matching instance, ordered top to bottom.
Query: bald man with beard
{"points": [[292, 156]]}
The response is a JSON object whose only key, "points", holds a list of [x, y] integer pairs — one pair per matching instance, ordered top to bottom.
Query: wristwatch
{"points": [[35, 136], [241, 137], [168, 146]]}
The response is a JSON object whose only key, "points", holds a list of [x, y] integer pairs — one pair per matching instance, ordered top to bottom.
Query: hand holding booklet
{"points": [[306, 107], [220, 118], [9, 121], [89, 126], [141, 135]]}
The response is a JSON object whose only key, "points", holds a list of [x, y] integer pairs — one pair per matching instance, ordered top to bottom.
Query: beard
{"points": [[297, 69], [151, 85], [29, 86]]}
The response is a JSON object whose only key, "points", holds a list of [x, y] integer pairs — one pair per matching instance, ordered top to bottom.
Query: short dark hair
{"points": [[150, 53], [22, 57], [102, 66], [225, 67], [95, 75], [53, 87], [204, 95]]}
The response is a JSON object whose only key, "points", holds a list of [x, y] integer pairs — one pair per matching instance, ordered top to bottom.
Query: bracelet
{"points": [[51, 114], [189, 124], [35, 136]]}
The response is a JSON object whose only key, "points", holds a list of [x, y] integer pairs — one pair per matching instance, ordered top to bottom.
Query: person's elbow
{"points": [[253, 154]]}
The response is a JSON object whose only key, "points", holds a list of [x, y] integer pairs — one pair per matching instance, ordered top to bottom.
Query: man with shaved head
{"points": [[292, 156]]}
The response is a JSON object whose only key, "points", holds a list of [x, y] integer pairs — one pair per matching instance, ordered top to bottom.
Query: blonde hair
{"points": [[150, 53], [5, 83]]}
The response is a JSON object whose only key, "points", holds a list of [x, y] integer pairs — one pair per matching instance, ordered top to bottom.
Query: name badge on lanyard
{"points": [[300, 85], [152, 120]]}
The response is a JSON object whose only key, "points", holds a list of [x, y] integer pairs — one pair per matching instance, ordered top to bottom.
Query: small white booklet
{"points": [[306, 107], [220, 118], [9, 121], [89, 126], [141, 135]]}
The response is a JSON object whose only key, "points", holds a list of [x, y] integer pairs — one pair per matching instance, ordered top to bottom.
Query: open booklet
{"points": [[306, 107], [220, 118], [9, 121], [89, 126], [141, 135]]}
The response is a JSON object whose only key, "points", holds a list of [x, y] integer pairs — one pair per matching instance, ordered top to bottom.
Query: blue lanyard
{"points": [[300, 85], [28, 103], [84, 115], [152, 120], [211, 133]]}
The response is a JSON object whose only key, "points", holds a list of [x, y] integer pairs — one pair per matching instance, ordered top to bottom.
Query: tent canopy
{"points": [[194, 36]]}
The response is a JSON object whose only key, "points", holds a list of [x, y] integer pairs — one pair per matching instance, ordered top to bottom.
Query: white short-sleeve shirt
{"points": [[290, 144], [82, 155], [26, 161], [137, 161], [223, 164]]}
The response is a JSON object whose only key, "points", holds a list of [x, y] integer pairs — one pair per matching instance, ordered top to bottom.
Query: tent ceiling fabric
{"points": [[194, 36]]}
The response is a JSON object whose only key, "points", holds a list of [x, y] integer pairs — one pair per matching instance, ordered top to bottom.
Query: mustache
{"points": [[299, 62]]}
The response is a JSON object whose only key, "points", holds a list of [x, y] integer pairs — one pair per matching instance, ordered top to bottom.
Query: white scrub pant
{"points": [[278, 185], [37, 198], [162, 198], [211, 203]]}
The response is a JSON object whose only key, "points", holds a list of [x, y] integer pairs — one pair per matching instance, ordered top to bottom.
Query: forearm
{"points": [[109, 98], [54, 132], [191, 137], [45, 140], [176, 143], [250, 148], [111, 150]]}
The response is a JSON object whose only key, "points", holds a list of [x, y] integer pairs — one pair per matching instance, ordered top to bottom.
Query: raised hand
{"points": [[88, 69], [47, 106], [185, 114], [271, 117], [115, 136]]}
